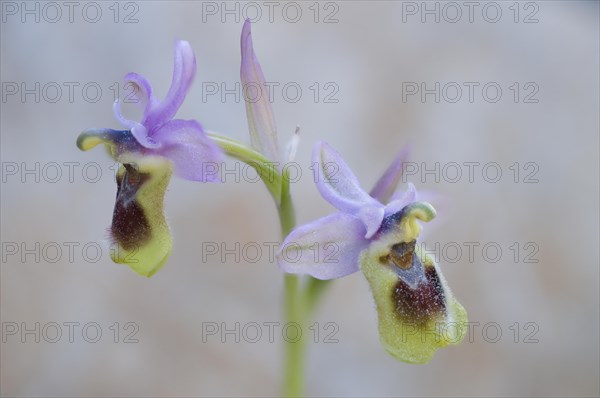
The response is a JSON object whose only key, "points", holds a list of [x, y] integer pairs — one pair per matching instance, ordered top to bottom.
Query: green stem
{"points": [[314, 291], [299, 301], [294, 304], [293, 379]]}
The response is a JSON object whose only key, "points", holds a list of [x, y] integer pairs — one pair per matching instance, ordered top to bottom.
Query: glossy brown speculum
{"points": [[130, 227], [418, 296]]}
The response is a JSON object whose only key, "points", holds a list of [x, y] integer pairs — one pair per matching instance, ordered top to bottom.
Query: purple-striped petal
{"points": [[183, 75], [261, 123], [194, 155], [337, 183], [386, 185], [326, 248]]}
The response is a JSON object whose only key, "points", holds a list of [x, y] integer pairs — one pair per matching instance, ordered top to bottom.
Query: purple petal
{"points": [[183, 75], [142, 91], [119, 116], [137, 130], [263, 133], [195, 156], [337, 183], [386, 185], [400, 199], [371, 216], [326, 248]]}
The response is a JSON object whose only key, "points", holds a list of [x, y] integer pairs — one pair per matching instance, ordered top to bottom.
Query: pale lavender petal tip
{"points": [[246, 32], [184, 71], [142, 93], [261, 123], [337, 183], [386, 185], [408, 196], [401, 198], [326, 248]]}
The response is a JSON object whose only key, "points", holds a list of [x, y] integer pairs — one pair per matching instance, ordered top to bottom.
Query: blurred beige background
{"points": [[368, 53]]}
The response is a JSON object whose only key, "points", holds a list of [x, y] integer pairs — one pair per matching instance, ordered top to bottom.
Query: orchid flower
{"points": [[149, 151], [417, 311]]}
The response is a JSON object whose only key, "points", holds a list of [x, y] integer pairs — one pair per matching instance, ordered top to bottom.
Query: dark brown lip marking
{"points": [[130, 227], [401, 255], [418, 296], [423, 303]]}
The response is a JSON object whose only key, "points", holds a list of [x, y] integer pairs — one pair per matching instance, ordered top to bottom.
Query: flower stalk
{"points": [[299, 298]]}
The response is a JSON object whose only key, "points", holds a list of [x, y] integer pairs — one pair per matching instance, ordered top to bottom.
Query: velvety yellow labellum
{"points": [[140, 233], [417, 312]]}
